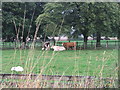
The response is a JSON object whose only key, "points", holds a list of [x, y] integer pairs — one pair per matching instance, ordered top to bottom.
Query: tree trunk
{"points": [[118, 35], [93, 36], [59, 38], [68, 39], [98, 39], [85, 41], [54, 42], [23, 46]]}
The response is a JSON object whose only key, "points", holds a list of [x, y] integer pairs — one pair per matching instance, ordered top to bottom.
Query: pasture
{"points": [[100, 63]]}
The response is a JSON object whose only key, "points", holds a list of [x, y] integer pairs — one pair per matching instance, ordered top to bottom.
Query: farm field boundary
{"points": [[90, 44], [71, 81]]}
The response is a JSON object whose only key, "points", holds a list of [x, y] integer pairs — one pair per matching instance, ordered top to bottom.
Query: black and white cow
{"points": [[46, 46]]}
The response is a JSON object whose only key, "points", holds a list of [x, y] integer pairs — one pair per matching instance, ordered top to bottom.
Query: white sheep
{"points": [[18, 69]]}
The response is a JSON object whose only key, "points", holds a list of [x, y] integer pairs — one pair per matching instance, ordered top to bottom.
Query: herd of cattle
{"points": [[65, 46]]}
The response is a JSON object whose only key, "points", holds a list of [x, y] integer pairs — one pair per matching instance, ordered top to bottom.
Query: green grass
{"points": [[81, 62]]}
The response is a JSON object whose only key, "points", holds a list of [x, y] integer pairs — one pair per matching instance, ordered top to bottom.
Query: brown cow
{"points": [[69, 45]]}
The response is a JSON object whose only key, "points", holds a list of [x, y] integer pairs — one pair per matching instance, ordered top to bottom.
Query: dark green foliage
{"points": [[17, 12], [86, 18], [58, 19]]}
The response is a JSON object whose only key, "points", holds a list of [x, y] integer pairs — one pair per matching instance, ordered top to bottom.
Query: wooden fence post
{"points": [[91, 43], [115, 43], [9, 44], [15, 44], [106, 44], [3, 45], [35, 45], [76, 45], [95, 46]]}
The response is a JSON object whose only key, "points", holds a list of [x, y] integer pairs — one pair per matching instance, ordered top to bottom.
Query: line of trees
{"points": [[86, 18], [56, 19]]}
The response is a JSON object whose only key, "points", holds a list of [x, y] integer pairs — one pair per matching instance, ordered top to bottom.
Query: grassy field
{"points": [[81, 62]]}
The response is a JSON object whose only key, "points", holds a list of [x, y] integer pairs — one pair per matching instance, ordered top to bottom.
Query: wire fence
{"points": [[80, 44], [92, 44]]}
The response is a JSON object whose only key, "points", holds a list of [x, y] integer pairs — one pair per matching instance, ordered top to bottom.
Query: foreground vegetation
{"points": [[103, 63]]}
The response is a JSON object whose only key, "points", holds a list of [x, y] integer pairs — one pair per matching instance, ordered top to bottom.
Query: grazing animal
{"points": [[69, 45], [46, 46], [58, 48]]}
